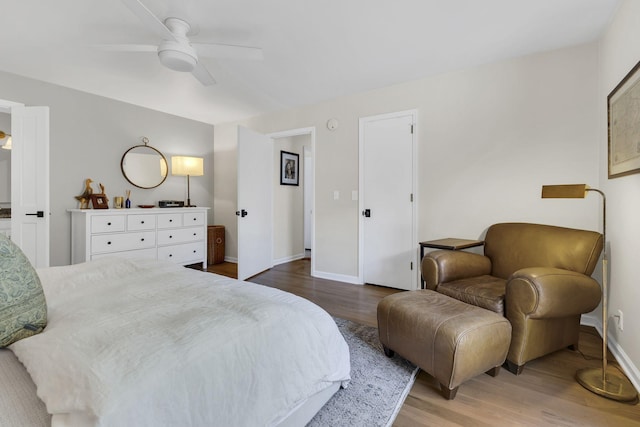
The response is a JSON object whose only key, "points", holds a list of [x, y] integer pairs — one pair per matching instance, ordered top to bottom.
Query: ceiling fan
{"points": [[176, 51]]}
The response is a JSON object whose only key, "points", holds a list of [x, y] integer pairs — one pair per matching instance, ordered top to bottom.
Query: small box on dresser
{"points": [[172, 234]]}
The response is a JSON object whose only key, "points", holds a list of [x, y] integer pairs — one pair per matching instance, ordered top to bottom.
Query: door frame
{"points": [[311, 131], [414, 138]]}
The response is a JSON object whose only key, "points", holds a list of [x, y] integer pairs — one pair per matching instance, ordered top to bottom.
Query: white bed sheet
{"points": [[148, 343]]}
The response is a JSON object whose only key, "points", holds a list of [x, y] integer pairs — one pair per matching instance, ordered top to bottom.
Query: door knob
{"points": [[242, 213], [366, 213], [39, 214]]}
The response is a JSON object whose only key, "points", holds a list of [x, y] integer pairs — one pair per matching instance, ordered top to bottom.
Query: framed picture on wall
{"points": [[623, 109], [289, 168]]}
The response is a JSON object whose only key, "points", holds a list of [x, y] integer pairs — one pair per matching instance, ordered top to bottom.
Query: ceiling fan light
{"points": [[177, 60]]}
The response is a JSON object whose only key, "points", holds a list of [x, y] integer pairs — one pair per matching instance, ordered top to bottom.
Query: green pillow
{"points": [[23, 309]]}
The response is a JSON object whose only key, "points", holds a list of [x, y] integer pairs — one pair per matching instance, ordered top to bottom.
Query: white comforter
{"points": [[146, 343]]}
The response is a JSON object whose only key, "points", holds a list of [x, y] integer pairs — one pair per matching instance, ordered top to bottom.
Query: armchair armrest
{"points": [[445, 266], [542, 292]]}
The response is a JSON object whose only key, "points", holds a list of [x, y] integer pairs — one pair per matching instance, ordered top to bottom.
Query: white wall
{"points": [[619, 53], [88, 136], [488, 139], [288, 225]]}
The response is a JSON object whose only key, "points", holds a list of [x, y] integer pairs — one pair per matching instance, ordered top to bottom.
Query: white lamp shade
{"points": [[182, 165]]}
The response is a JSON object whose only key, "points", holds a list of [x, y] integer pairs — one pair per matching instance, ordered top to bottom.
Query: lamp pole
{"points": [[188, 192]]}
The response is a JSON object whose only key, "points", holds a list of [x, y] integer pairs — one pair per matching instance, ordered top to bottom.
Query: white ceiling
{"points": [[314, 49]]}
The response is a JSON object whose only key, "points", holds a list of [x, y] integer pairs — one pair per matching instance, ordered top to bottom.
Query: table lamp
{"points": [[187, 166]]}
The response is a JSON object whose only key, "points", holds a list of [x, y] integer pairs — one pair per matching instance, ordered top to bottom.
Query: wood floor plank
{"points": [[545, 394]]}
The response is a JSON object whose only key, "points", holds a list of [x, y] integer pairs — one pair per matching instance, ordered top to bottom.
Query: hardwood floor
{"points": [[545, 394]]}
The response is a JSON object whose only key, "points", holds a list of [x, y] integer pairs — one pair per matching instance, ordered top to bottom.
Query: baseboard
{"points": [[230, 259], [288, 259], [336, 277], [629, 368]]}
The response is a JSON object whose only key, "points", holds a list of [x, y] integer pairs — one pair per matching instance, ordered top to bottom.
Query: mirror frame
{"points": [[145, 140]]}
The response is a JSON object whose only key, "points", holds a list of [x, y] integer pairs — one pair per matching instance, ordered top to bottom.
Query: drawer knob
{"points": [[195, 219], [170, 220], [141, 222], [108, 223], [195, 234], [170, 236], [142, 240], [108, 243], [194, 251], [170, 255]]}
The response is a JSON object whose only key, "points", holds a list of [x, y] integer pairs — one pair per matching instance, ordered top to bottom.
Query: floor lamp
{"points": [[187, 166], [612, 384]]}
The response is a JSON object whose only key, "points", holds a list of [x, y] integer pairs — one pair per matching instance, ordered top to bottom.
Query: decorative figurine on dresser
{"points": [[85, 197]]}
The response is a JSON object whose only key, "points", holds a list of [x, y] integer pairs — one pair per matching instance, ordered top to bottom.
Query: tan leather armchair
{"points": [[538, 276]]}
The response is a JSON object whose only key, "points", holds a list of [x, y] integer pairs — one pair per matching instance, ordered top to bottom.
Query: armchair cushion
{"points": [[483, 291]]}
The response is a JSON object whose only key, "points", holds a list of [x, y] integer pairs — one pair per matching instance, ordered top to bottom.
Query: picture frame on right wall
{"points": [[623, 111]]}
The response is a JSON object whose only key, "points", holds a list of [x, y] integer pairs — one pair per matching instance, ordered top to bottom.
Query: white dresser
{"points": [[173, 234]]}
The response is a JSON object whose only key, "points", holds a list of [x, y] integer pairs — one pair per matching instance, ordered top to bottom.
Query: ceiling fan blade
{"points": [[150, 20], [126, 47], [216, 50], [203, 75]]}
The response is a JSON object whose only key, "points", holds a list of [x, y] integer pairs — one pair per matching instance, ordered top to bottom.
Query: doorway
{"points": [[5, 175], [29, 180], [293, 204], [260, 245], [388, 254]]}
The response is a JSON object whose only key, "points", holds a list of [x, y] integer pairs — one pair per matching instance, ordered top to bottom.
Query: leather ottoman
{"points": [[449, 339]]}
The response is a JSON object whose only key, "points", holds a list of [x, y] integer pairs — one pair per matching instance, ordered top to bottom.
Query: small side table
{"points": [[450, 243]]}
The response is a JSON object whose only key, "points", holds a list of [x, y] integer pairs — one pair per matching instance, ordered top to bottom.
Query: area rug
{"points": [[378, 387]]}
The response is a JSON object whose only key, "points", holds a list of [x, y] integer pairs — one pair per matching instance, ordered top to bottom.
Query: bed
{"points": [[150, 343]]}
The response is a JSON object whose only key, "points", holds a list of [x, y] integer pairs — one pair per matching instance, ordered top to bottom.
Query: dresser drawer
{"points": [[193, 218], [170, 220], [141, 222], [107, 223], [180, 235], [122, 242], [149, 253], [183, 254]]}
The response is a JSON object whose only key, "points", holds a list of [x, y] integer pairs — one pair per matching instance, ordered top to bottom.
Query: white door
{"points": [[30, 182], [255, 210], [387, 244]]}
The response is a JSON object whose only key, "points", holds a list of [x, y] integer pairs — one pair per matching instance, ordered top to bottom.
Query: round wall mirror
{"points": [[144, 166]]}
